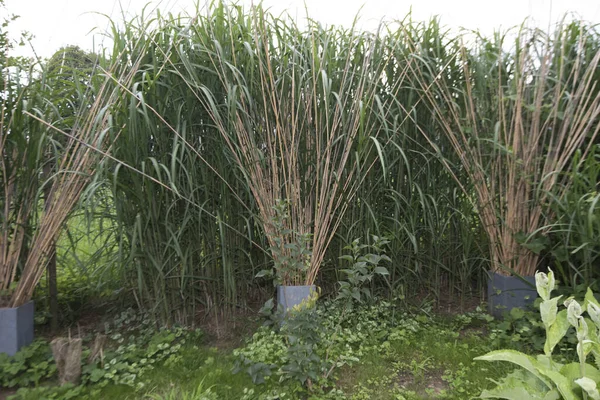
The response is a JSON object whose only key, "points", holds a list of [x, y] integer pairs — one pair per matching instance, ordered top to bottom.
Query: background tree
{"points": [[68, 78]]}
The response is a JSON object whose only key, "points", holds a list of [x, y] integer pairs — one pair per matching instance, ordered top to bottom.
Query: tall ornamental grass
{"points": [[238, 110], [300, 110], [515, 118], [453, 152], [42, 157]]}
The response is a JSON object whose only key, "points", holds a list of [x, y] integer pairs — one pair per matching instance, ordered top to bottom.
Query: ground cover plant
{"points": [[540, 100], [163, 186], [342, 348], [379, 350]]}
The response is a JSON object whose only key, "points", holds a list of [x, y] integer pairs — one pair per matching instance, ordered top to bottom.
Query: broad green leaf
{"points": [[536, 245], [551, 281], [590, 298], [548, 311], [517, 313], [594, 313], [582, 328], [556, 332], [593, 336], [523, 360], [548, 363], [572, 371], [518, 385], [564, 385], [589, 386], [510, 393], [552, 395]]}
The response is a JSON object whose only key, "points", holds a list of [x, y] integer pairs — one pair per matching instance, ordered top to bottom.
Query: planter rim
{"points": [[492, 272], [296, 285], [12, 308]]}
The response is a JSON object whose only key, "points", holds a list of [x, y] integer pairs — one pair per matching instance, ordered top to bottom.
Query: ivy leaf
{"points": [[536, 244], [517, 313], [97, 374]]}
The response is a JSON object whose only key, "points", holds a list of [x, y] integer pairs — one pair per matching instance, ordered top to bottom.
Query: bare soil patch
{"points": [[430, 385]]}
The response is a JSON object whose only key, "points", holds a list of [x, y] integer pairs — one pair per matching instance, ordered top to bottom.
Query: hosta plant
{"points": [[543, 377]]}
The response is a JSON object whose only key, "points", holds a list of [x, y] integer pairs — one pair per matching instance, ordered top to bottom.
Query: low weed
{"points": [[30, 366]]}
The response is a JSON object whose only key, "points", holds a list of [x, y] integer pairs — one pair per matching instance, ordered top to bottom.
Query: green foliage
{"points": [[7, 60], [26, 146], [186, 223], [188, 226], [185, 229], [574, 236], [291, 250], [362, 269], [88, 270], [518, 329], [303, 330], [376, 340], [135, 349], [138, 349], [301, 350], [379, 351], [264, 352], [292, 352], [417, 356], [29, 366], [542, 376], [65, 392], [199, 393]]}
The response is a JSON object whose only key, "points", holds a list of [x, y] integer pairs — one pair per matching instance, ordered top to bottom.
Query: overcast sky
{"points": [[57, 23]]}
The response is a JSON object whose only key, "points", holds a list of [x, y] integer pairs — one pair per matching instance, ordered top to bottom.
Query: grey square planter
{"points": [[507, 292], [290, 296], [16, 328]]}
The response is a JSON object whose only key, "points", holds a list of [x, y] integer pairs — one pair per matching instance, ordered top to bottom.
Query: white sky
{"points": [[57, 23]]}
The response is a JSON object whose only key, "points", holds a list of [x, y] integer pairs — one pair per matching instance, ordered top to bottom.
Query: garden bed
{"points": [[381, 356]]}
